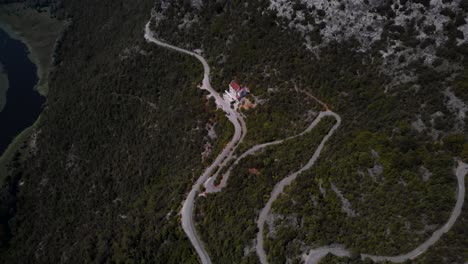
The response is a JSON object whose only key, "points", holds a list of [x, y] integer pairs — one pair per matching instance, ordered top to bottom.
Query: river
{"points": [[23, 102]]}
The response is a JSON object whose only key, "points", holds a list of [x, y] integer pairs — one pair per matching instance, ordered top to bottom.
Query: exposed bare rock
{"points": [[197, 4], [188, 20], [404, 32], [132, 52], [458, 107], [418, 125], [209, 139], [33, 141], [376, 171], [425, 173], [322, 190], [345, 204], [274, 220], [249, 248]]}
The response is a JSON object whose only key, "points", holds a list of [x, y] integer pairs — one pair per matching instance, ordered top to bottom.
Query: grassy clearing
{"points": [[38, 31], [3, 87]]}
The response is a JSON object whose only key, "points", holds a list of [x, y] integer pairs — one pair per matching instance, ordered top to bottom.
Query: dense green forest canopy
{"points": [[120, 139]]}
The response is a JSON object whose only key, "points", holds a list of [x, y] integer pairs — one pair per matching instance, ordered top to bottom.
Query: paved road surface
{"points": [[233, 116], [239, 132], [460, 172], [209, 184], [279, 187], [315, 255]]}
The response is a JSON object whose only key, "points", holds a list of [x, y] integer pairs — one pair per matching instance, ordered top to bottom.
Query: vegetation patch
{"points": [[249, 42], [283, 114], [111, 172], [248, 190], [396, 206]]}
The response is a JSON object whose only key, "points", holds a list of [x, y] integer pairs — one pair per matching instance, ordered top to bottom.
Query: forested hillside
{"points": [[121, 138], [116, 149], [392, 160]]}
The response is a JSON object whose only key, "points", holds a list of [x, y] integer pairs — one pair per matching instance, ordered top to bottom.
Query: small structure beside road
{"points": [[235, 93]]}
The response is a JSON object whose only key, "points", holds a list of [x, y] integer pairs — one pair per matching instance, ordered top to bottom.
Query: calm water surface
{"points": [[23, 104]]}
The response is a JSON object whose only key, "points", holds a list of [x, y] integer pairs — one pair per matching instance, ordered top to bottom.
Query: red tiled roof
{"points": [[235, 86]]}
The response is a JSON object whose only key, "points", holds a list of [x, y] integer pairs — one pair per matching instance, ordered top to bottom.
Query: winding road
{"points": [[233, 116], [226, 155], [460, 173], [209, 184], [279, 187], [315, 255]]}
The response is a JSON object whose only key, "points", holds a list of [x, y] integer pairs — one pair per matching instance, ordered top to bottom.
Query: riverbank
{"points": [[38, 31], [3, 86], [24, 104], [15, 147]]}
